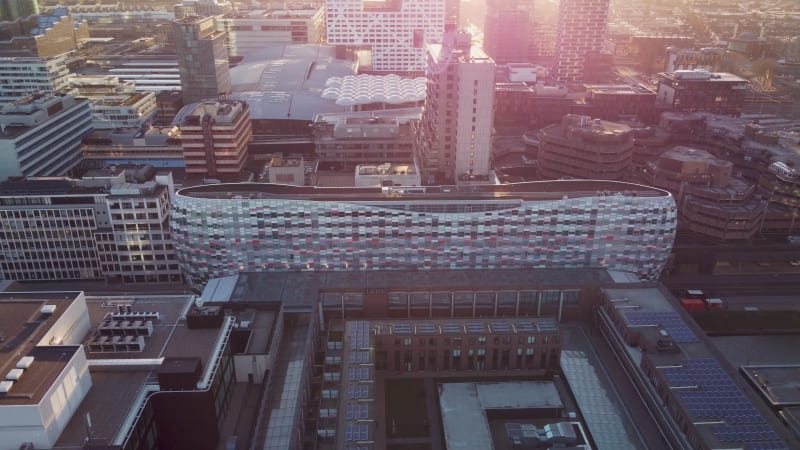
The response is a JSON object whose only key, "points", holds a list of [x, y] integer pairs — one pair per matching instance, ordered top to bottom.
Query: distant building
{"points": [[202, 8], [16, 9], [248, 31], [507, 31], [581, 31], [395, 32], [44, 35], [749, 44], [707, 58], [203, 60], [148, 74], [20, 76], [700, 90], [621, 101], [168, 103], [115, 104], [457, 124], [41, 135], [215, 136], [368, 137], [153, 146], [585, 148], [287, 170], [387, 175], [711, 201], [109, 224], [470, 227]]}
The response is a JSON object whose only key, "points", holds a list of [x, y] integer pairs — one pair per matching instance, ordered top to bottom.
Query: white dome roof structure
{"points": [[364, 89]]}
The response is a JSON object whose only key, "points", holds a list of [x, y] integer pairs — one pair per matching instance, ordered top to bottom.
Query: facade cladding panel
{"points": [[220, 230]]}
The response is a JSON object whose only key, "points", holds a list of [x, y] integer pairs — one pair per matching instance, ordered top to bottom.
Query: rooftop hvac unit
{"points": [[48, 309], [25, 362], [14, 374], [5, 386]]}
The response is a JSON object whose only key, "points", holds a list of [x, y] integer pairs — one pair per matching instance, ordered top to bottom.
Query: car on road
{"points": [[794, 263]]}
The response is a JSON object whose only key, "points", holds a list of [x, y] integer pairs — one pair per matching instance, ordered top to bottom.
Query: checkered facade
{"points": [[221, 235]]}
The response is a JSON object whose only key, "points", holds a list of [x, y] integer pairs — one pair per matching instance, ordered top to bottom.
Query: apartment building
{"points": [[21, 76], [215, 136]]}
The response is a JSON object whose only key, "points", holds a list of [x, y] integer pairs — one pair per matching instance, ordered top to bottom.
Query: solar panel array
{"points": [[670, 321], [546, 325], [501, 327], [525, 327], [402, 328], [427, 328], [452, 328], [477, 328], [359, 334], [359, 357], [358, 374], [358, 391], [710, 394], [358, 411], [356, 432], [777, 445]]}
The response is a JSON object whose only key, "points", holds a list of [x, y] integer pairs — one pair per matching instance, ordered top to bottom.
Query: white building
{"points": [[249, 31], [395, 31], [21, 76], [114, 103], [456, 129], [41, 135], [387, 174], [48, 373]]}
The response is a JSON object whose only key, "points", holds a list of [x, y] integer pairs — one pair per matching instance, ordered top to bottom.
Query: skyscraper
{"points": [[507, 30], [395, 31], [581, 31], [202, 58], [456, 128]]}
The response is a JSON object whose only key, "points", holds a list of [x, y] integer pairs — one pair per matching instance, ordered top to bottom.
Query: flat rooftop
{"points": [[533, 190], [302, 289], [23, 324], [120, 378], [779, 384], [463, 407]]}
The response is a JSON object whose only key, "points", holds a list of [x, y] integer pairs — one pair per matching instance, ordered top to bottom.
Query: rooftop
{"points": [[701, 76], [285, 81], [531, 191], [302, 289], [24, 322], [120, 378], [463, 407]]}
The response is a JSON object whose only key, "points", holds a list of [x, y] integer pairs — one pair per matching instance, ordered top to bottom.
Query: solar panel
{"points": [[670, 321], [501, 327], [524, 327], [402, 328], [426, 328], [452, 328], [476, 328]]}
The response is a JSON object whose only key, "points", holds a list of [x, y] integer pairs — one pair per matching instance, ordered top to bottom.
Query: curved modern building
{"points": [[222, 229]]}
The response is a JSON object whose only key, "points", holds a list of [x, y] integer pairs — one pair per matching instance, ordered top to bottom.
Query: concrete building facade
{"points": [[249, 31], [20, 76], [700, 90], [456, 128], [41, 135], [215, 136], [586, 148], [105, 225]]}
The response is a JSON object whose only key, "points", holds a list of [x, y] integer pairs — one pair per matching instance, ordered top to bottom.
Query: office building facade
{"points": [[249, 31], [581, 31], [395, 32], [203, 60], [20, 76], [701, 90], [114, 103], [456, 128], [41, 135], [215, 136], [102, 226], [222, 229]]}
